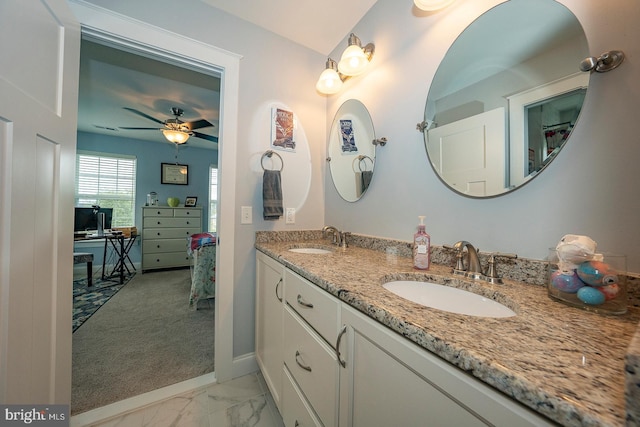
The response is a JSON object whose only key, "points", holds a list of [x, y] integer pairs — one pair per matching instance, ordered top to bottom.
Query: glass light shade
{"points": [[431, 5], [353, 61], [329, 82], [175, 136]]}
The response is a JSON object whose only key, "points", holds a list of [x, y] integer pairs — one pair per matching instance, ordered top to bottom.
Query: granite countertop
{"points": [[565, 363]]}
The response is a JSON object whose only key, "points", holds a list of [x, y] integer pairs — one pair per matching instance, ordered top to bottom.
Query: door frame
{"points": [[124, 31]]}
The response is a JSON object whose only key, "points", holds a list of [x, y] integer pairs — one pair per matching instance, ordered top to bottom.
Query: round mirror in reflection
{"points": [[506, 97], [352, 153]]}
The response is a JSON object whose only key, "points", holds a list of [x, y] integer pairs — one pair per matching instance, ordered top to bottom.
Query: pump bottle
{"points": [[421, 247]]}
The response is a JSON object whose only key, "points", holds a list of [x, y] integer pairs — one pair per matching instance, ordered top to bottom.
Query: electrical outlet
{"points": [[246, 215], [290, 217]]}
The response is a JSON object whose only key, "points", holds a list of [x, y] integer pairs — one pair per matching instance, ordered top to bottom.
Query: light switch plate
{"points": [[246, 215], [290, 216]]}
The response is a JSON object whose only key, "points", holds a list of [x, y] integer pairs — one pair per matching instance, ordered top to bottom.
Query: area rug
{"points": [[88, 299]]}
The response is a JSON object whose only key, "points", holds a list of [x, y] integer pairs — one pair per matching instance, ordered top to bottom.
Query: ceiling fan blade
{"points": [[146, 116], [197, 124], [129, 128], [204, 136]]}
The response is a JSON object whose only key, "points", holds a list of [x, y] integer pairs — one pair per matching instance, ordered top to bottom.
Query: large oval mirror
{"points": [[506, 97], [352, 154]]}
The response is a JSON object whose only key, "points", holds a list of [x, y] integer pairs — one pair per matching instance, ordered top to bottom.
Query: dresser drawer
{"points": [[157, 212], [187, 213], [170, 222], [169, 233], [153, 246], [165, 259], [316, 306], [313, 365], [296, 411]]}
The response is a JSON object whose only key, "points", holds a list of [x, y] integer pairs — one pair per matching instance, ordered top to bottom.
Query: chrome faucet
{"points": [[339, 237], [474, 269]]}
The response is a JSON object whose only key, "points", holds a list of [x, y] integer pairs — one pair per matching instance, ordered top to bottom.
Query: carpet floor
{"points": [[88, 299], [144, 338]]}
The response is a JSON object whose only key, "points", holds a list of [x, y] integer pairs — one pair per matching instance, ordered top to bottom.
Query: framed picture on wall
{"points": [[173, 173], [190, 202]]}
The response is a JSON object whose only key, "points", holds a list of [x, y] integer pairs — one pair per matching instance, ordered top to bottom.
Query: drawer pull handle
{"points": [[277, 286], [303, 302], [342, 332], [305, 367]]}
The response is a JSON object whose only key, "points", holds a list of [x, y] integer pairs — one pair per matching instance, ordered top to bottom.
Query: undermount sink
{"points": [[310, 250], [449, 299]]}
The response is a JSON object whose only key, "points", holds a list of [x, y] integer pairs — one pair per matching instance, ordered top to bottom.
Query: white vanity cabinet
{"points": [[165, 233], [269, 327], [339, 367], [389, 380]]}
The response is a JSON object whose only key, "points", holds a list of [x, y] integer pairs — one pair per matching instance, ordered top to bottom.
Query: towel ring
{"points": [[269, 154], [361, 159]]}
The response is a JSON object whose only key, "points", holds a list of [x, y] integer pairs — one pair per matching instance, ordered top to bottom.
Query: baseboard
{"points": [[244, 365], [141, 401]]}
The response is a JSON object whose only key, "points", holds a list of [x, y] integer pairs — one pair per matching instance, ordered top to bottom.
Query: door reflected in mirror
{"points": [[506, 97], [352, 153]]}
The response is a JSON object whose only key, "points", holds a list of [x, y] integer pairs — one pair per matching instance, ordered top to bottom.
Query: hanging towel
{"points": [[366, 179], [271, 195]]}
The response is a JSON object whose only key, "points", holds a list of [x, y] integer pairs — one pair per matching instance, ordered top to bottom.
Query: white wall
{"points": [[273, 71], [590, 189]]}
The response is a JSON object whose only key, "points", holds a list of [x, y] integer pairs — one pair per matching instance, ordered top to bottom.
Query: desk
{"points": [[120, 246]]}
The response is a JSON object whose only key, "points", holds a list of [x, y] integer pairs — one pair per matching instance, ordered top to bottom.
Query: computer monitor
{"points": [[86, 219]]}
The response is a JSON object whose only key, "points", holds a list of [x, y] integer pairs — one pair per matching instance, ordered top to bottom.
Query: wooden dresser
{"points": [[165, 233]]}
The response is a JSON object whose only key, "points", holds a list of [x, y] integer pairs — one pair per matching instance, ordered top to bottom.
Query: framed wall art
{"points": [[173, 173]]}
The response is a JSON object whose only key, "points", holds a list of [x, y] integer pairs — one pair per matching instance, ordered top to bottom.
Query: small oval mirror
{"points": [[506, 97], [352, 153]]}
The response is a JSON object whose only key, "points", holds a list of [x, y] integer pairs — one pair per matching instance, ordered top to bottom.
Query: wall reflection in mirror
{"points": [[506, 97], [352, 153]]}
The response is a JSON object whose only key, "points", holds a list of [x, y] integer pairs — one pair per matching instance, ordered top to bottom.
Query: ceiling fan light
{"points": [[175, 136]]}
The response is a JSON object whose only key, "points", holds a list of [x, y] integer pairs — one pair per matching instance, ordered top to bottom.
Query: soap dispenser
{"points": [[421, 247]]}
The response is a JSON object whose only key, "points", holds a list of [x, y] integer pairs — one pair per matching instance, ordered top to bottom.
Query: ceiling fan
{"points": [[175, 130]]}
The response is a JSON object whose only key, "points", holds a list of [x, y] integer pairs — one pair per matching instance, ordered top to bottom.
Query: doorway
{"points": [[150, 39]]}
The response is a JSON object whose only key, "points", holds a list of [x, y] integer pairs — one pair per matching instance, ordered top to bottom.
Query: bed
{"points": [[202, 247]]}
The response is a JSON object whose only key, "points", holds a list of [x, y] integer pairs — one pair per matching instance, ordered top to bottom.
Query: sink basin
{"points": [[310, 250], [449, 299]]}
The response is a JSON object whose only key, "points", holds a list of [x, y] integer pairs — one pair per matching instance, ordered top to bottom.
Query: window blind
{"points": [[109, 181], [213, 198]]}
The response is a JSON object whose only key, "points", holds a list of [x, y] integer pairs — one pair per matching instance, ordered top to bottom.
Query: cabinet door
{"points": [[269, 296], [388, 380]]}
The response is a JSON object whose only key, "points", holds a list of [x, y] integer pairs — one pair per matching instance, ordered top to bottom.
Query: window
{"points": [[109, 181], [213, 198]]}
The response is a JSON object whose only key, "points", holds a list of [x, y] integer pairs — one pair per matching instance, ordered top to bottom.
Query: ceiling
{"points": [[112, 80]]}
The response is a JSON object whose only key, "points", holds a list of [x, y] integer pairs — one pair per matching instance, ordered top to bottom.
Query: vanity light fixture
{"points": [[432, 5], [355, 58], [354, 61], [605, 62], [330, 80]]}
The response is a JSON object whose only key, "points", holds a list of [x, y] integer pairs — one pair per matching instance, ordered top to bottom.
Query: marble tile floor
{"points": [[242, 402]]}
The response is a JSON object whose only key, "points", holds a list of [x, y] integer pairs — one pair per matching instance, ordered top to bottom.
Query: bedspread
{"points": [[203, 274]]}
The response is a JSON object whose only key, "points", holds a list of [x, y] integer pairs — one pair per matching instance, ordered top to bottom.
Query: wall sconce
{"points": [[432, 5], [354, 61], [330, 80]]}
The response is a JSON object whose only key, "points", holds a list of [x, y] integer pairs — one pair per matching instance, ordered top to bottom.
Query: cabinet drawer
{"points": [[157, 212], [186, 213], [170, 222], [168, 233], [154, 246], [166, 259], [316, 306], [313, 365], [296, 411]]}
